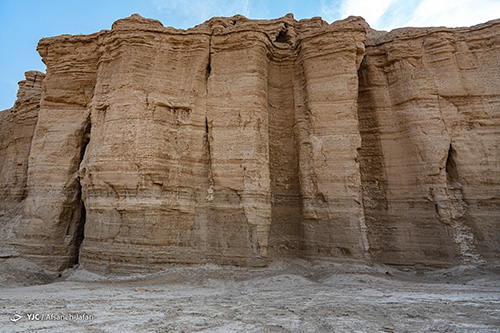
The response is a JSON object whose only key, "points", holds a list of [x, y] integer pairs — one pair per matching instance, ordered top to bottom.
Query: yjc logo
{"points": [[16, 318]]}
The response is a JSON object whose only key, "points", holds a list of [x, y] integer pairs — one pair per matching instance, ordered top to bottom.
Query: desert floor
{"points": [[287, 296]]}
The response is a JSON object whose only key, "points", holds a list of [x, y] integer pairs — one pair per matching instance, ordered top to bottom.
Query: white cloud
{"points": [[370, 10], [197, 11], [454, 13], [390, 14]]}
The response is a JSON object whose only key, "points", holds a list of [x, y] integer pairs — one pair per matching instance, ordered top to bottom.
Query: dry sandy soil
{"points": [[288, 296]]}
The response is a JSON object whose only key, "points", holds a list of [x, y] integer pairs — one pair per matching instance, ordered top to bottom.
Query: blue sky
{"points": [[24, 22]]}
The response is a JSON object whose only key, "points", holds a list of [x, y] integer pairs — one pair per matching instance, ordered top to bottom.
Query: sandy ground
{"points": [[288, 296]]}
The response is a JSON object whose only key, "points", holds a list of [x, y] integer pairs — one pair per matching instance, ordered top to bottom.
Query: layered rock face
{"points": [[429, 114], [17, 126], [16, 133], [238, 141]]}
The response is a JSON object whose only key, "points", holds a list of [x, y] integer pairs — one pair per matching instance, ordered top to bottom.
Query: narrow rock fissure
{"points": [[209, 65], [209, 68], [207, 137], [209, 162], [451, 166], [373, 190], [210, 191], [80, 224], [80, 231]]}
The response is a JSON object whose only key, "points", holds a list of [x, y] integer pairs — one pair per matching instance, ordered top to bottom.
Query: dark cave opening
{"points": [[282, 37]]}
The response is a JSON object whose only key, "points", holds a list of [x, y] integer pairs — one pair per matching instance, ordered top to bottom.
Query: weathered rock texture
{"points": [[429, 115], [17, 126], [16, 133], [238, 141]]}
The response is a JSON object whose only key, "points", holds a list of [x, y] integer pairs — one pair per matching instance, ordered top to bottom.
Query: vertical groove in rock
{"points": [[209, 65], [301, 129], [303, 144], [371, 160], [451, 167], [210, 176], [210, 189], [452, 210], [286, 219], [362, 225], [79, 233]]}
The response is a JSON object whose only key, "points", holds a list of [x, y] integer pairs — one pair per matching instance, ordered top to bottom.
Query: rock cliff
{"points": [[429, 103], [17, 126], [16, 133], [238, 141]]}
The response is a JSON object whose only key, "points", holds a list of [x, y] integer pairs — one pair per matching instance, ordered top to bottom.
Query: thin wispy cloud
{"points": [[330, 10], [371, 11], [390, 14]]}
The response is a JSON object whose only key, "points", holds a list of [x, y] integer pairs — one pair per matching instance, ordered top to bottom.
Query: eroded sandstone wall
{"points": [[429, 118], [17, 126], [16, 133], [238, 141], [53, 213]]}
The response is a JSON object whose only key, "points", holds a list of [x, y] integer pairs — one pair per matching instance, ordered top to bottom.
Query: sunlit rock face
{"points": [[429, 115], [239, 141]]}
